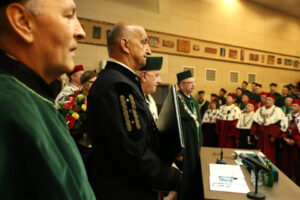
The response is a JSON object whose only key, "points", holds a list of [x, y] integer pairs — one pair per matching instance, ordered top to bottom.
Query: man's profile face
{"points": [[56, 31], [139, 47], [76, 77], [151, 80], [188, 85], [244, 86], [272, 88], [285, 91], [263, 98], [245, 99], [229, 100], [288, 101], [269, 102], [249, 107], [295, 108]]}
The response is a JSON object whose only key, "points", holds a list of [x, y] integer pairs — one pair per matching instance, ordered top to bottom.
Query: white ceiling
{"points": [[291, 7]]}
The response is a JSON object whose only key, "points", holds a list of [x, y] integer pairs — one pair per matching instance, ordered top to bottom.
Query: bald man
{"points": [[39, 159], [126, 164]]}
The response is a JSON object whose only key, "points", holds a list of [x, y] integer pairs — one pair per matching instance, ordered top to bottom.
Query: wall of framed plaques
{"points": [[97, 31]]}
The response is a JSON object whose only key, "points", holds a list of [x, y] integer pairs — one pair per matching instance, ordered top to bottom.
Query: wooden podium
{"points": [[284, 189]]}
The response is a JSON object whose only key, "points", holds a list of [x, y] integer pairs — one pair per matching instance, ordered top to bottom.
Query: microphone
{"points": [[253, 161]]}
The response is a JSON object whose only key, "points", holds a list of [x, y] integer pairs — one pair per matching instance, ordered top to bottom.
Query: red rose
{"points": [[69, 103], [70, 121]]}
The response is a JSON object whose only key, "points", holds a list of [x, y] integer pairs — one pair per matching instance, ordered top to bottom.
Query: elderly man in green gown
{"points": [[190, 117], [39, 159]]}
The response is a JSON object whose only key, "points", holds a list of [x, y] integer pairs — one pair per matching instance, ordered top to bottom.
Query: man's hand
{"points": [[256, 137]]}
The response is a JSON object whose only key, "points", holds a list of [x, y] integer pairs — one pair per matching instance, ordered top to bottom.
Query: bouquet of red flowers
{"points": [[74, 110]]}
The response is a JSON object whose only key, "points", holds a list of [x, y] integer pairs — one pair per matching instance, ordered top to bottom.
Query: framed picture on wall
{"points": [[96, 32], [153, 41]]}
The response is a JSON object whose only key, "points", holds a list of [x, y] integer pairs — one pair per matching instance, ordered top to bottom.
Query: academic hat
{"points": [[152, 63], [77, 68], [184, 75], [273, 84], [259, 85], [222, 89], [200, 92], [264, 93], [214, 95], [231, 95], [271, 96], [296, 101], [253, 103]]}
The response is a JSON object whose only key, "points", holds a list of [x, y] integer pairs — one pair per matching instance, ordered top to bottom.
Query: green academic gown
{"points": [[39, 159], [192, 179]]}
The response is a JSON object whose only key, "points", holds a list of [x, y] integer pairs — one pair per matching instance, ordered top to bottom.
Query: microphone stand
{"points": [[221, 161], [256, 194]]}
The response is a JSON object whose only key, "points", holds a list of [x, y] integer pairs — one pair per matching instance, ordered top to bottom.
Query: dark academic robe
{"points": [[276, 94], [222, 100], [280, 101], [203, 106], [226, 126], [290, 129], [265, 131], [39, 159], [126, 163], [192, 180]]}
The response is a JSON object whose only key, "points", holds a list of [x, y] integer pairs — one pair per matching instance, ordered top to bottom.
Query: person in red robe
{"points": [[263, 97], [226, 123], [266, 127], [290, 133]]}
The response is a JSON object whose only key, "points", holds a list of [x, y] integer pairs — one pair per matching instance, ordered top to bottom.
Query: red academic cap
{"points": [[77, 68], [264, 93], [231, 95], [271, 96], [296, 101], [254, 104]]}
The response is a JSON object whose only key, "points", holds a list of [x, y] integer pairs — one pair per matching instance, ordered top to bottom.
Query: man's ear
{"points": [[19, 19], [125, 45], [143, 76]]}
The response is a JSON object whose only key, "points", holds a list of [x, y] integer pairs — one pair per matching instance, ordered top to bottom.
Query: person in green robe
{"points": [[287, 104], [190, 117], [39, 159]]}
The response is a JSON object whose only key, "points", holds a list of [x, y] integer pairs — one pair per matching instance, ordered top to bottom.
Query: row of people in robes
{"points": [[243, 95], [267, 128]]}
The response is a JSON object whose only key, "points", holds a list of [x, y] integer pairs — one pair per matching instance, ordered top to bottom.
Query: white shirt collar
{"points": [[122, 64]]}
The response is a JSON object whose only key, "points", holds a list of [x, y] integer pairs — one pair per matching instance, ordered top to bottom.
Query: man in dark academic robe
{"points": [[244, 87], [273, 87], [238, 94], [221, 97], [279, 101], [203, 104], [190, 117], [226, 123], [266, 127], [290, 133], [39, 159], [126, 162]]}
